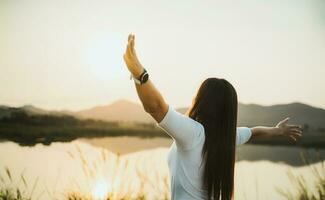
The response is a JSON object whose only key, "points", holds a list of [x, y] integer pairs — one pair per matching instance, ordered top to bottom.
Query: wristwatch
{"points": [[142, 79]]}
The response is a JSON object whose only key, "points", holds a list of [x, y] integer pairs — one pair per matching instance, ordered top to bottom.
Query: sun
{"points": [[103, 55], [101, 190]]}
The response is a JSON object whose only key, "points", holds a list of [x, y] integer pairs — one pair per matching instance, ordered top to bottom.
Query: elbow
{"points": [[152, 108]]}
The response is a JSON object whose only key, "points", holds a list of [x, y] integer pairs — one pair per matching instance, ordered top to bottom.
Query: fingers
{"points": [[129, 37], [132, 41], [130, 46], [129, 51], [129, 56], [284, 121], [294, 126], [291, 130], [295, 130], [295, 134], [293, 138]]}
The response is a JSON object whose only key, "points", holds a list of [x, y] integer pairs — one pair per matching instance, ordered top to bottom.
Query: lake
{"points": [[121, 166]]}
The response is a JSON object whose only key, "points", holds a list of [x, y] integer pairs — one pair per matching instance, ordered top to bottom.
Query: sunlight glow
{"points": [[103, 55], [101, 189]]}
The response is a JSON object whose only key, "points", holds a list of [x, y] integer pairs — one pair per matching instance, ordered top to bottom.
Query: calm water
{"points": [[127, 165]]}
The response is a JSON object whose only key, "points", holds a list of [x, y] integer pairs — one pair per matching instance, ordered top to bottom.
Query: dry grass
{"points": [[119, 176], [115, 178], [9, 189], [303, 192]]}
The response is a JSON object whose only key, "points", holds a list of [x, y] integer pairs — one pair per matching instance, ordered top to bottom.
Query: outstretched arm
{"points": [[152, 101], [282, 128], [185, 131]]}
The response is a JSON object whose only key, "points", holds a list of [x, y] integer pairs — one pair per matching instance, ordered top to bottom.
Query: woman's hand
{"points": [[131, 59], [281, 129], [293, 131]]}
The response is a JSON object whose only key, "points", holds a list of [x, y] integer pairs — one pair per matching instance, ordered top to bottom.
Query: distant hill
{"points": [[121, 110], [6, 111], [249, 114], [252, 114], [29, 125]]}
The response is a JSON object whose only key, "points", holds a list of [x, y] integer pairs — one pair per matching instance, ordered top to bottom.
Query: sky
{"points": [[67, 54]]}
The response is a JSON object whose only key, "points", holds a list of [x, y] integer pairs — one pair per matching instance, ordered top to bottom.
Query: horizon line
{"points": [[135, 102]]}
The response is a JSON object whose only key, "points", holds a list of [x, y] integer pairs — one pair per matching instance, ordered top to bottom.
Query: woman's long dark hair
{"points": [[215, 107]]}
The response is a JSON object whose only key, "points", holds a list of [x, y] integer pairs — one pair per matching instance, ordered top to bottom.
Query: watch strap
{"points": [[141, 79]]}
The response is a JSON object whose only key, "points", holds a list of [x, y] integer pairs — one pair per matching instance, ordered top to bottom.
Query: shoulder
{"points": [[178, 119], [185, 130], [243, 135]]}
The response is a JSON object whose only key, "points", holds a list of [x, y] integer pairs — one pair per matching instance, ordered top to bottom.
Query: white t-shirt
{"points": [[184, 157]]}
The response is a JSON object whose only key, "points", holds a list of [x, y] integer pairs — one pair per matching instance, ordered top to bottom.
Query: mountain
{"points": [[34, 110], [121, 110], [6, 111], [299, 113], [248, 114], [252, 114]]}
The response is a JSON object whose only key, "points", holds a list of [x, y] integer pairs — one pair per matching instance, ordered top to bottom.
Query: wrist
{"points": [[136, 73], [142, 78]]}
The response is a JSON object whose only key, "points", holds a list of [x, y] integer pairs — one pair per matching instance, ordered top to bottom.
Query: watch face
{"points": [[145, 78]]}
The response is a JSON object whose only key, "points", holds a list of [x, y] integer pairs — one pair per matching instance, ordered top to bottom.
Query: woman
{"points": [[202, 157]]}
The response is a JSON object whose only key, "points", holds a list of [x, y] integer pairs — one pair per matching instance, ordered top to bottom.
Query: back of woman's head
{"points": [[215, 107]]}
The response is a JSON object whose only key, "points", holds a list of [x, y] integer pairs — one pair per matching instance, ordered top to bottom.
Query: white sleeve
{"points": [[184, 130], [243, 134]]}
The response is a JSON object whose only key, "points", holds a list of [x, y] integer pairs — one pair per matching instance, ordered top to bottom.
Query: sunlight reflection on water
{"points": [[92, 171]]}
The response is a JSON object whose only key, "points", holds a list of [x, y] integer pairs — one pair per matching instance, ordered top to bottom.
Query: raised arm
{"points": [[152, 101], [282, 128]]}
